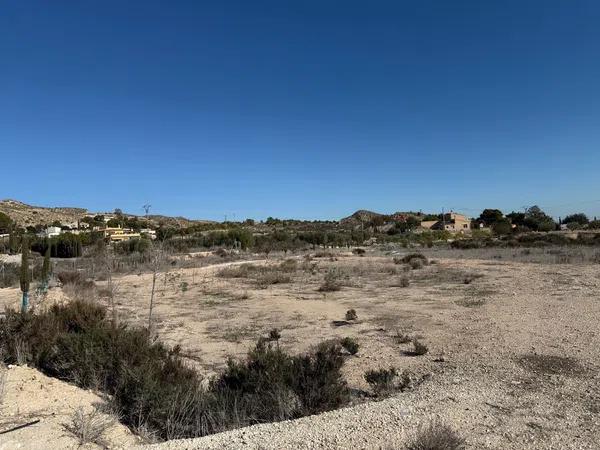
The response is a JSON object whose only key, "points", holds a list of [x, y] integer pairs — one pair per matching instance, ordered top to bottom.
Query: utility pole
{"points": [[146, 208], [443, 219]]}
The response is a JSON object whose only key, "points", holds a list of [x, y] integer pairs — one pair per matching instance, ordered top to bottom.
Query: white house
{"points": [[51, 232]]}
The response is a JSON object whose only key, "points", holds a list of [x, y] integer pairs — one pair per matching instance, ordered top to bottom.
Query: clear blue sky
{"points": [[307, 109]]}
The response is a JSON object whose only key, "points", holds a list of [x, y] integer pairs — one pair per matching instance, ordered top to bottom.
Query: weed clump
{"points": [[408, 259], [416, 264], [331, 281], [351, 315], [274, 334], [402, 338], [350, 345], [419, 347], [381, 380], [89, 427], [436, 436]]}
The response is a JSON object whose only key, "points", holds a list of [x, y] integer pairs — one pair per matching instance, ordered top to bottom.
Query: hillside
{"points": [[25, 215], [364, 216]]}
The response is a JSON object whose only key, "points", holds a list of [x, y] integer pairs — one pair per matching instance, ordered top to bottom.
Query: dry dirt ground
{"points": [[513, 354], [29, 395]]}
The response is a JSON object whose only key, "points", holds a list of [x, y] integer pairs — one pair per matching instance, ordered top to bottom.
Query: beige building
{"points": [[453, 222], [113, 234]]}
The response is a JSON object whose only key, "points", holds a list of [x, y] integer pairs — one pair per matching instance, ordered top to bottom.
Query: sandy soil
{"points": [[513, 361], [29, 395]]}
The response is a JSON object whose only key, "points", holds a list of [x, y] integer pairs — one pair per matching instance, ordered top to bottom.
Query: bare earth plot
{"points": [[513, 347]]}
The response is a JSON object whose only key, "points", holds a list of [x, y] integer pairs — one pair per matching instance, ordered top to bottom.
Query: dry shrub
{"points": [[324, 254], [408, 259], [416, 264], [288, 266], [239, 271], [263, 276], [74, 278], [266, 279], [332, 280], [471, 302], [351, 314], [402, 338], [350, 345], [419, 347], [382, 381], [89, 427], [436, 436]]}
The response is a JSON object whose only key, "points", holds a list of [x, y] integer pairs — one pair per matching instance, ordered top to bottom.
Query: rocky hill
{"points": [[25, 215], [366, 217]]}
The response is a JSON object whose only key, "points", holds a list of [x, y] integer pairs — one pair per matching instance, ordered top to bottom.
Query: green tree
{"points": [[491, 216], [533, 218], [579, 218], [6, 224], [502, 227], [47, 265], [24, 274]]}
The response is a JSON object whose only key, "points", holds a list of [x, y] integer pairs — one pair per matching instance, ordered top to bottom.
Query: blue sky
{"points": [[306, 109]]}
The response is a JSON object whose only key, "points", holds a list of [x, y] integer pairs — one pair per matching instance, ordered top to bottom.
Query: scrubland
{"points": [[468, 348]]}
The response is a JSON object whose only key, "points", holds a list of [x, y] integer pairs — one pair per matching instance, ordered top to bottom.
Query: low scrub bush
{"points": [[359, 251], [324, 254], [408, 259], [416, 264], [288, 266], [239, 271], [10, 275], [263, 276], [73, 278], [267, 278], [332, 281], [351, 314], [274, 334], [402, 338], [350, 345], [419, 347], [381, 380], [153, 389], [89, 427], [436, 436]]}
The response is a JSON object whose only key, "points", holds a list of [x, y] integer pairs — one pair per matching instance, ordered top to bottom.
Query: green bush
{"points": [[132, 246], [150, 384]]}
